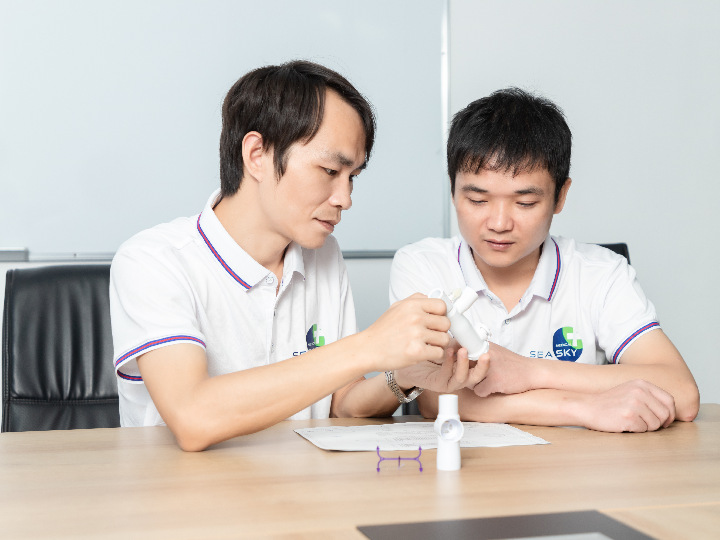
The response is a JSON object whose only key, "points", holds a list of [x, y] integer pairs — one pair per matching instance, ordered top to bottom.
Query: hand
{"points": [[411, 331], [507, 372], [454, 373], [636, 406]]}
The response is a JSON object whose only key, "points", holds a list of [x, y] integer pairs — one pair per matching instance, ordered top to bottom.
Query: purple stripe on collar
{"points": [[460, 246], [219, 258], [557, 270], [633, 336], [153, 343]]}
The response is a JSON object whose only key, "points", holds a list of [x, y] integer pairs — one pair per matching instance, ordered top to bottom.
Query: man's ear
{"points": [[254, 155], [562, 196]]}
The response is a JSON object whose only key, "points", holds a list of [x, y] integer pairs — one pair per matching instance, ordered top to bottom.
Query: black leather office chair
{"points": [[620, 248], [57, 349]]}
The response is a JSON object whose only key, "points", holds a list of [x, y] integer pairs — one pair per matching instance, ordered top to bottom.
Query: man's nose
{"points": [[342, 195], [500, 219]]}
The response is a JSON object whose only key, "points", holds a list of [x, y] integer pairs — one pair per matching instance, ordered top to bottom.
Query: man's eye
{"points": [[331, 172], [476, 201], [527, 204]]}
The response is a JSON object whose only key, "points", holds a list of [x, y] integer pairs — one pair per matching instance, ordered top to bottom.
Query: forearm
{"points": [[675, 379], [365, 398], [535, 407], [213, 409]]}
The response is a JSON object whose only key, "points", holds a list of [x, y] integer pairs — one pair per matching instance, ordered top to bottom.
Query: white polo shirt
{"points": [[188, 281], [584, 303]]}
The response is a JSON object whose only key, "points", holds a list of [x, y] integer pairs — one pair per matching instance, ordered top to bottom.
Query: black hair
{"points": [[284, 104], [510, 130]]}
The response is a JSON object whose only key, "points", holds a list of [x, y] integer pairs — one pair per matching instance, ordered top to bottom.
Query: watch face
{"points": [[451, 430]]}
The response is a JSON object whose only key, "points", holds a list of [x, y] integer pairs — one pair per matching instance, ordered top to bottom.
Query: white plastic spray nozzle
{"points": [[475, 341], [449, 430]]}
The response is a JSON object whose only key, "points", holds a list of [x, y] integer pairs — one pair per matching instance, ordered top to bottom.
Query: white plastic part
{"points": [[475, 341], [449, 430]]}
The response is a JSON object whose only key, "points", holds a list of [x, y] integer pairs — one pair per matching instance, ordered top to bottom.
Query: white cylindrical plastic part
{"points": [[465, 300], [461, 329], [466, 335], [448, 406], [449, 430]]}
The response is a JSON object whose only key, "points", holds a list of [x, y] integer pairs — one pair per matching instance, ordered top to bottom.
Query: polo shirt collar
{"points": [[294, 262], [245, 270], [471, 274], [543, 284]]}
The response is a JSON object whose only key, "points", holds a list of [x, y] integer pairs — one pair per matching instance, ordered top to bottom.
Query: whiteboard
{"points": [[110, 111]]}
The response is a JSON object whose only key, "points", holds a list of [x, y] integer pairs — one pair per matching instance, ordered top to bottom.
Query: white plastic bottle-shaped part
{"points": [[475, 341], [449, 430]]}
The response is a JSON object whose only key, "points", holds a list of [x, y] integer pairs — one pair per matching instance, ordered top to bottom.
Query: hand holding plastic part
{"points": [[475, 341], [449, 430]]}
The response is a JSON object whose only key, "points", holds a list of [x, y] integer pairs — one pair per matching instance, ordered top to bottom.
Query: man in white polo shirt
{"points": [[232, 320], [574, 339]]}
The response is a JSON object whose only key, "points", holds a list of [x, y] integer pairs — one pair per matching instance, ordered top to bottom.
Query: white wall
{"points": [[638, 82], [110, 111]]}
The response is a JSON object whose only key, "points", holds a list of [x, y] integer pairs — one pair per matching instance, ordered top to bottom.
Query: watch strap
{"points": [[401, 396]]}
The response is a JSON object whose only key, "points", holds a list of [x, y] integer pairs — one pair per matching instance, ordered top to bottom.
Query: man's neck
{"points": [[240, 217], [510, 283]]}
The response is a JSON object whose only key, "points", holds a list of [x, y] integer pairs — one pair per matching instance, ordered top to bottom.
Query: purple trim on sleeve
{"points": [[219, 258], [557, 270], [633, 336], [150, 344], [133, 378]]}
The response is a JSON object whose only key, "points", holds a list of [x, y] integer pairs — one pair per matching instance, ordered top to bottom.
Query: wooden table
{"points": [[136, 483]]}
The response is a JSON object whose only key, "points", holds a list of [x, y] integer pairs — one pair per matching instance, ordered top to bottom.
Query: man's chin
{"points": [[312, 243]]}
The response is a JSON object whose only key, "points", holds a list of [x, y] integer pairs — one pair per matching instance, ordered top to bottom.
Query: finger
{"points": [[433, 305], [436, 322], [437, 339], [432, 352], [460, 366], [479, 371], [482, 388], [667, 400], [663, 408], [650, 418]]}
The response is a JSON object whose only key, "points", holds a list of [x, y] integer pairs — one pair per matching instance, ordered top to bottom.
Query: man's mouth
{"points": [[329, 224], [499, 245]]}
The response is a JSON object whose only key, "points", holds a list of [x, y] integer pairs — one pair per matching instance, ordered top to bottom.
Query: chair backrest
{"points": [[619, 248], [57, 349]]}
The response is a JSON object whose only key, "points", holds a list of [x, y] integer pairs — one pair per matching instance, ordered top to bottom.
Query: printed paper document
{"points": [[410, 435]]}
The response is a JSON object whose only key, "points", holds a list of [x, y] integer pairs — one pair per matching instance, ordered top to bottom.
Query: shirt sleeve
{"points": [[415, 270], [152, 305], [624, 311], [348, 320]]}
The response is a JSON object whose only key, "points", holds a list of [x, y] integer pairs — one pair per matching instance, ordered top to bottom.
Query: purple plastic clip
{"points": [[399, 459]]}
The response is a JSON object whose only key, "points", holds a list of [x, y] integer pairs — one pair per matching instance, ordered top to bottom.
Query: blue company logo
{"points": [[313, 338], [567, 344]]}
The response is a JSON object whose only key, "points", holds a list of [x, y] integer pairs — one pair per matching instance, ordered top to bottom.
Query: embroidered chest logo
{"points": [[313, 338], [567, 344]]}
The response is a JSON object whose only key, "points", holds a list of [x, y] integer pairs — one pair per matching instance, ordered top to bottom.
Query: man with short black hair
{"points": [[242, 316], [574, 339]]}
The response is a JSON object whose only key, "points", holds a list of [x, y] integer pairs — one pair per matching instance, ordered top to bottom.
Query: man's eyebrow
{"points": [[343, 160], [473, 189], [531, 191]]}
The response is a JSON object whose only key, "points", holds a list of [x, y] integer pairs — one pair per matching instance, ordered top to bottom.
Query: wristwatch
{"points": [[399, 394]]}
